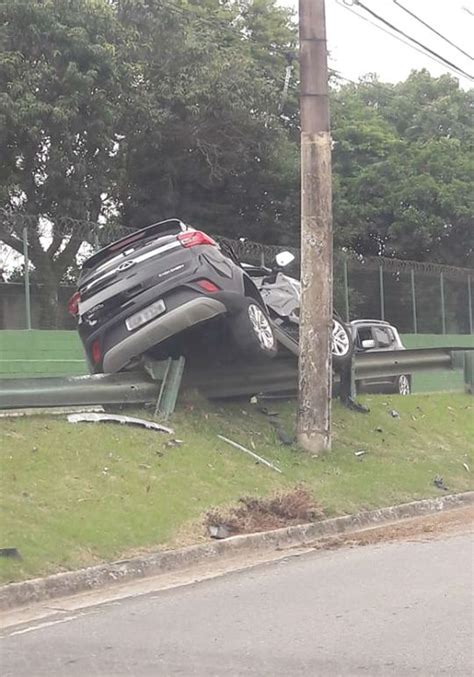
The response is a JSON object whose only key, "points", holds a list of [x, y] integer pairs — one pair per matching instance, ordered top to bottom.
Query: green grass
{"points": [[75, 495]]}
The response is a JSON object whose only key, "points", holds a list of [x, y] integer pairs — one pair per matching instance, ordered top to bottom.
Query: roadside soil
{"points": [[438, 525]]}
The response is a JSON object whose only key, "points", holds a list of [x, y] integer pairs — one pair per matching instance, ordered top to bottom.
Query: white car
{"points": [[378, 335]]}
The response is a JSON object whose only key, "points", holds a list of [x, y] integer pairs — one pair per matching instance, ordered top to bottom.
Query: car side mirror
{"points": [[284, 259], [367, 344]]}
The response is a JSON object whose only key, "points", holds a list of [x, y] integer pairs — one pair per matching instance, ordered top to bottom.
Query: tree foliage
{"points": [[60, 86], [137, 110], [210, 145], [403, 161]]}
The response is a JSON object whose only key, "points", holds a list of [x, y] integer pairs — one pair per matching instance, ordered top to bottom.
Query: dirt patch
{"points": [[263, 514], [417, 529]]}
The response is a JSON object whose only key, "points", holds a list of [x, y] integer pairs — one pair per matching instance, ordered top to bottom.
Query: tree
{"points": [[61, 80], [210, 146], [403, 162]]}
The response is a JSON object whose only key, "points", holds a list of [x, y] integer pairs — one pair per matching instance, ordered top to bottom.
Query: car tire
{"points": [[252, 331], [342, 343], [403, 385]]}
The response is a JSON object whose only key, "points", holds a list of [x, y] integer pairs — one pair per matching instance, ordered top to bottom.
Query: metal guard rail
{"points": [[220, 381]]}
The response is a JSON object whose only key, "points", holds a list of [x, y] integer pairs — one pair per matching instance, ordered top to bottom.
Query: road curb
{"points": [[15, 595]]}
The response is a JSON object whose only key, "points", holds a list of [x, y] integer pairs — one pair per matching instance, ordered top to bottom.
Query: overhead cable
{"points": [[433, 30], [414, 40]]}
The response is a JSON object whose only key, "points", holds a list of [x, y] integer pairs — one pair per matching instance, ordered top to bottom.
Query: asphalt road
{"points": [[400, 608]]}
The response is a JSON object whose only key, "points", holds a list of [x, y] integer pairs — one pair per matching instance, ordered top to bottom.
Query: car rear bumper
{"points": [[174, 321]]}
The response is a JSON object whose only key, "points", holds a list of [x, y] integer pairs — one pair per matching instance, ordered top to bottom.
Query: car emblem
{"points": [[125, 265]]}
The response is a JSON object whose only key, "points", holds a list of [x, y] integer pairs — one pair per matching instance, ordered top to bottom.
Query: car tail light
{"points": [[192, 238], [207, 285], [73, 303], [96, 351]]}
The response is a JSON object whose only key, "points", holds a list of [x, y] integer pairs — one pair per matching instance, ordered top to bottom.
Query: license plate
{"points": [[145, 315]]}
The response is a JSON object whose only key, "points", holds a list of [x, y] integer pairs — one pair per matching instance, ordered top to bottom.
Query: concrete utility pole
{"points": [[315, 369]]}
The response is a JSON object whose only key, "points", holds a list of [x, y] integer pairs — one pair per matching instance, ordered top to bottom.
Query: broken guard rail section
{"points": [[217, 381]]}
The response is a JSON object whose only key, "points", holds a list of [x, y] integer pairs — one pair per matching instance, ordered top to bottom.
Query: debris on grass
{"points": [[353, 405], [394, 413], [116, 418], [281, 433], [173, 443], [359, 453], [260, 459], [466, 467], [439, 483], [263, 514], [219, 531], [10, 553]]}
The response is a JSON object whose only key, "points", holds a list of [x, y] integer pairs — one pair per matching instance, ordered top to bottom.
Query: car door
{"points": [[384, 339]]}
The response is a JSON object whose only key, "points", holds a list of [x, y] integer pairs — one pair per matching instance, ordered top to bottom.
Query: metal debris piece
{"points": [[353, 405], [266, 412], [394, 413], [117, 418], [281, 433], [173, 443], [359, 452], [251, 453], [466, 467], [439, 483], [218, 531]]}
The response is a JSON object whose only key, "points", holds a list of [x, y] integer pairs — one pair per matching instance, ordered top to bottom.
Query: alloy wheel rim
{"points": [[261, 327], [340, 339], [403, 385]]}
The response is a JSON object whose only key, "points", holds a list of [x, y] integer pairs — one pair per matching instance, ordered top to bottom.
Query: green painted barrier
{"points": [[438, 340], [38, 352], [45, 352]]}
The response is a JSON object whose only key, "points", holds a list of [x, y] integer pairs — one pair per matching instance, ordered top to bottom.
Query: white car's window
{"points": [[383, 337]]}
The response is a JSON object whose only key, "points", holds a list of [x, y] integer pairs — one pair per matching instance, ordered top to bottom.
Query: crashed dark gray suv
{"points": [[149, 291]]}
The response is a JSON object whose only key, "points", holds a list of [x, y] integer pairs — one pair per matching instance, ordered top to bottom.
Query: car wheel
{"points": [[252, 330], [342, 344], [403, 385]]}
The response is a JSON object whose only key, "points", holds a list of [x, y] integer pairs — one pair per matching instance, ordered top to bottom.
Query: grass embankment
{"points": [[74, 495]]}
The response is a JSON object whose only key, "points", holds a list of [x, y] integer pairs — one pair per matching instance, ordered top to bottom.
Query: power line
{"points": [[345, 4], [433, 30], [396, 37], [416, 42]]}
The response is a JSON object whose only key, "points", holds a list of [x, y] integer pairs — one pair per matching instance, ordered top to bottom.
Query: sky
{"points": [[356, 47]]}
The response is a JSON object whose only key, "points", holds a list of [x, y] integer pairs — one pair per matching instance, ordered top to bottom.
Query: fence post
{"points": [[27, 278], [346, 288], [382, 300], [469, 300], [413, 301], [443, 309], [469, 371]]}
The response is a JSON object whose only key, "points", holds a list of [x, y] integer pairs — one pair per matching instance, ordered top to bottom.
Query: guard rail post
{"points": [[469, 371]]}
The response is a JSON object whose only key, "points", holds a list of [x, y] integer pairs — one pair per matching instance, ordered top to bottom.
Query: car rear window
{"points": [[135, 240]]}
